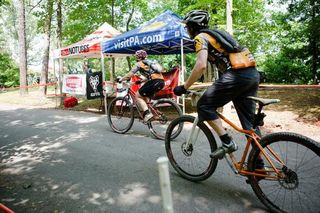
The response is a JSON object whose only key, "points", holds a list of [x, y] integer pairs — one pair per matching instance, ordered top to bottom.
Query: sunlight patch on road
{"points": [[80, 120], [24, 157], [132, 194]]}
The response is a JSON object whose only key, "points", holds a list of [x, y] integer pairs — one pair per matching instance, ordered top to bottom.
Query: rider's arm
{"points": [[134, 69], [198, 69], [127, 76]]}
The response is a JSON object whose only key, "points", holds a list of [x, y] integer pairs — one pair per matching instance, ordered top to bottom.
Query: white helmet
{"points": [[198, 17]]}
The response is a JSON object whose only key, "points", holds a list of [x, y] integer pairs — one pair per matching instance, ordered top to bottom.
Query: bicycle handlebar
{"points": [[118, 80], [128, 82], [196, 93]]}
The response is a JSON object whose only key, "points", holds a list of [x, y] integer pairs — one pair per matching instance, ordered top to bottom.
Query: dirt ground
{"points": [[298, 111], [283, 121]]}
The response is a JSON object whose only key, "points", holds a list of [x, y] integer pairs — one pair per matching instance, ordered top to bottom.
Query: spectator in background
{"points": [[86, 67]]}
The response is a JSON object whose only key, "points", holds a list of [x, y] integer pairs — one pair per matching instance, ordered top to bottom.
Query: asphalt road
{"points": [[66, 161]]}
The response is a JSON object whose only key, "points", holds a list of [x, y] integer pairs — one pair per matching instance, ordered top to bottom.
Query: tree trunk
{"points": [[229, 16], [127, 29], [313, 43], [59, 45], [22, 46], [45, 58], [129, 63], [113, 68]]}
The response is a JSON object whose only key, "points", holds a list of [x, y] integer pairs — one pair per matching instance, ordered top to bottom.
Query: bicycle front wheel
{"points": [[164, 111], [120, 115], [191, 160], [297, 188]]}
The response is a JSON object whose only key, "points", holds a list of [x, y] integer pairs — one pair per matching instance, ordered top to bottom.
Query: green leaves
{"points": [[3, 2], [298, 36], [285, 68], [9, 72]]}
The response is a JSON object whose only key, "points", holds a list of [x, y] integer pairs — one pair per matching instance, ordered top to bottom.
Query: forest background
{"points": [[284, 35]]}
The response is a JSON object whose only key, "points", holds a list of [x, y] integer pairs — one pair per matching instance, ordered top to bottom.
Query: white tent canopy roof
{"points": [[90, 46]]}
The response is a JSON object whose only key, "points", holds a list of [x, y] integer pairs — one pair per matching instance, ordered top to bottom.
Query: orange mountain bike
{"points": [[121, 113], [289, 181]]}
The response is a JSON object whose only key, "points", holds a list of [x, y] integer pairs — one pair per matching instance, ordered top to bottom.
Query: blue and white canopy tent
{"points": [[162, 35]]}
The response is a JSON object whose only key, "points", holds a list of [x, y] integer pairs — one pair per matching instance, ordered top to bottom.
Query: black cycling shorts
{"points": [[232, 86], [151, 87]]}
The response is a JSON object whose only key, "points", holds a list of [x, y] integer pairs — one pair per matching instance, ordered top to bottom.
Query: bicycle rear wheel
{"points": [[164, 111], [120, 115], [192, 162], [299, 188]]}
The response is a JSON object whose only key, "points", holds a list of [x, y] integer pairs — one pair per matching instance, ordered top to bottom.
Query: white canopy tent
{"points": [[89, 47]]}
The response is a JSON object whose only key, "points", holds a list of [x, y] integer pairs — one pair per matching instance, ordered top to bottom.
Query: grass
{"points": [[304, 102]]}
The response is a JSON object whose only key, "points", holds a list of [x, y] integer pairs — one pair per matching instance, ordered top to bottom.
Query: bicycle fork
{"points": [[192, 137]]}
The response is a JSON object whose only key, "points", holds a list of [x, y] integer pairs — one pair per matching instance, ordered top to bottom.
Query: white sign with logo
{"points": [[94, 82], [74, 84]]}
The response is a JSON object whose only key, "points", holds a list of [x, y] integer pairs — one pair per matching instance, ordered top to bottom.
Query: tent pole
{"points": [[111, 74], [182, 76], [55, 79], [60, 79], [104, 90]]}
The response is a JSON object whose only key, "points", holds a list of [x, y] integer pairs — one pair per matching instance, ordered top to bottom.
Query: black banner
{"points": [[94, 85]]}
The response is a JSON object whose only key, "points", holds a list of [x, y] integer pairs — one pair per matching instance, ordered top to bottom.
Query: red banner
{"points": [[171, 80]]}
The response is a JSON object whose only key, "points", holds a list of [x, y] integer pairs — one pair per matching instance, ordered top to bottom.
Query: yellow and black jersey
{"points": [[218, 55], [143, 68], [147, 69]]}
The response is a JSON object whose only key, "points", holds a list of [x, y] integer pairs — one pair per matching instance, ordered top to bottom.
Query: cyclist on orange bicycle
{"points": [[151, 70], [236, 82]]}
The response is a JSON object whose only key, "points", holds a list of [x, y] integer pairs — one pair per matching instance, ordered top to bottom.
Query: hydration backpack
{"points": [[227, 42], [239, 56], [154, 66]]}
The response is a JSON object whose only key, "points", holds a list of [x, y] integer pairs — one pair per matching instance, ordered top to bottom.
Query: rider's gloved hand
{"points": [[118, 79], [137, 82], [179, 90]]}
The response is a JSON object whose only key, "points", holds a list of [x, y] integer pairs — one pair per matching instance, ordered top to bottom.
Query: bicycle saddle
{"points": [[263, 101]]}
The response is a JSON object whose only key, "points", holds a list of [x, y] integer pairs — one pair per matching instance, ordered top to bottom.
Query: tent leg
{"points": [[181, 77], [55, 78], [105, 95]]}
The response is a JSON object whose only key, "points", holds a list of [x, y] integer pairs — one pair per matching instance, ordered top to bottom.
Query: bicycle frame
{"points": [[132, 95], [239, 167]]}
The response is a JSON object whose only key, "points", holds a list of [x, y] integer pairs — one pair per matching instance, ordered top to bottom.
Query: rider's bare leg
{"points": [[141, 102], [217, 126], [228, 145]]}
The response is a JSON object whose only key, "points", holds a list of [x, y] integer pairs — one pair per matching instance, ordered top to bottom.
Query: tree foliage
{"points": [[3, 2], [298, 39], [286, 43], [280, 68], [9, 72]]}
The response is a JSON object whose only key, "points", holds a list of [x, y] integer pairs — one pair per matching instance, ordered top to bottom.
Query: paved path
{"points": [[66, 161]]}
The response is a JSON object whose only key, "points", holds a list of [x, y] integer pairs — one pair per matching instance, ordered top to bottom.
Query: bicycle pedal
{"points": [[220, 157]]}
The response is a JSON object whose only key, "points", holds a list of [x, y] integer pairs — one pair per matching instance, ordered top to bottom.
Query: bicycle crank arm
{"points": [[230, 164]]}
